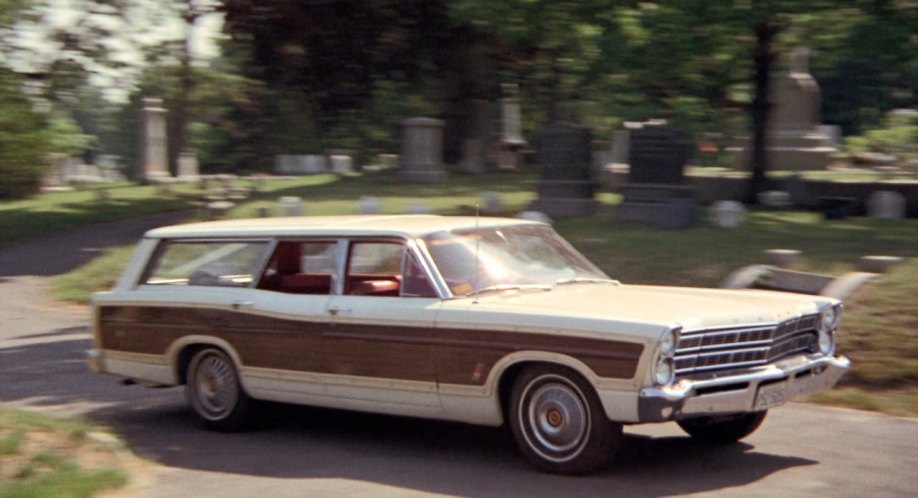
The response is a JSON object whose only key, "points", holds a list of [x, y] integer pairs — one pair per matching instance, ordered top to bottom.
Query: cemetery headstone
{"points": [[511, 127], [422, 150], [154, 153], [341, 165], [188, 168], [566, 186], [655, 192], [291, 205], [886, 205], [728, 214]]}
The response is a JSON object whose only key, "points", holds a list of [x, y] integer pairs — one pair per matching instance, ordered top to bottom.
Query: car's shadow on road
{"points": [[291, 442]]}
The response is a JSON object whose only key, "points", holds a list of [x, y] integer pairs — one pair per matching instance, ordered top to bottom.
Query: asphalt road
{"points": [[801, 450]]}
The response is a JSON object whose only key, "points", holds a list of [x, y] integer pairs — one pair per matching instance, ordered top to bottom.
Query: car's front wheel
{"points": [[214, 392], [558, 422], [723, 428]]}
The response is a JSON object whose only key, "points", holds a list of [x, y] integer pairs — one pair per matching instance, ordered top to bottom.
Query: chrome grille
{"points": [[737, 347]]}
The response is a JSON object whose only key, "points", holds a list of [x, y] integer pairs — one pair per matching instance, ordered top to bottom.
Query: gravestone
{"points": [[795, 138], [511, 140], [422, 150], [153, 152], [300, 164], [341, 164], [188, 167], [566, 187], [655, 192], [291, 205], [369, 205], [886, 205], [728, 214]]}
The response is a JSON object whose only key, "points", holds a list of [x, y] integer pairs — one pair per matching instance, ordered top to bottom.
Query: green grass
{"points": [[880, 324], [49, 457]]}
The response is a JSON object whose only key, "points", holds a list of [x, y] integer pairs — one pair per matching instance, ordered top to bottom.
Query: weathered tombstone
{"points": [[511, 140], [795, 140], [422, 150], [153, 152], [300, 164], [341, 165], [188, 168], [565, 187], [655, 192], [775, 199], [491, 203], [291, 205], [369, 205], [886, 205], [728, 214], [781, 258]]}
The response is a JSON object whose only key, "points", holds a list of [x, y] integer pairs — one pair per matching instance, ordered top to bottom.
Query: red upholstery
{"points": [[374, 288]]}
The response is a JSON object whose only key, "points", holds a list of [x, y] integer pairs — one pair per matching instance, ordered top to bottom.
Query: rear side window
{"points": [[230, 264]]}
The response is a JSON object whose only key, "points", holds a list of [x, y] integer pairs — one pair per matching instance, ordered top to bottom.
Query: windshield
{"points": [[507, 257]]}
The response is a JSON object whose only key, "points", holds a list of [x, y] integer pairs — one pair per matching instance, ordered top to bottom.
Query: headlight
{"points": [[830, 318], [669, 341], [827, 341], [663, 372]]}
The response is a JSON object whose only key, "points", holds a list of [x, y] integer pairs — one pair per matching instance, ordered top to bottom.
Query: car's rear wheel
{"points": [[214, 392], [558, 422], [723, 428]]}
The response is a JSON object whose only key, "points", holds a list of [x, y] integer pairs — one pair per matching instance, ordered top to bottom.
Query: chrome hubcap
{"points": [[216, 386], [557, 418]]}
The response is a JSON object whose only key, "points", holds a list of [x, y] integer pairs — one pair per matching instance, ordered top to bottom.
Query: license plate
{"points": [[769, 397]]}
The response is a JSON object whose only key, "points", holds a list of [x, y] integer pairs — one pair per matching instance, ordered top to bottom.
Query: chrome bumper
{"points": [[95, 361], [752, 390]]}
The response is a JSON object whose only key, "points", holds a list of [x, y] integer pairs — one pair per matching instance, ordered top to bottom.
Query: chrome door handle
{"points": [[242, 304]]}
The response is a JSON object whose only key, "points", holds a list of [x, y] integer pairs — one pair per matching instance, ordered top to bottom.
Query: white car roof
{"points": [[409, 226]]}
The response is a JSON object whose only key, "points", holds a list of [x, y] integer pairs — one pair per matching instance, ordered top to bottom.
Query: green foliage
{"points": [[898, 135], [24, 141]]}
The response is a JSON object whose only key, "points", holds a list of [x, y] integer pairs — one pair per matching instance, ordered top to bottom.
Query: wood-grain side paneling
{"points": [[447, 356]]}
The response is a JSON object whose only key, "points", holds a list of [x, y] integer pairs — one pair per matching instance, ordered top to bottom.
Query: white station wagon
{"points": [[483, 321]]}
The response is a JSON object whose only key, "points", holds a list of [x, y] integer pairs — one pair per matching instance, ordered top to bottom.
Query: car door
{"points": [[379, 349], [285, 361]]}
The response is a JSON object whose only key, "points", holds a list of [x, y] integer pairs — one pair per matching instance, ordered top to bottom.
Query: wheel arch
{"points": [[183, 350], [508, 368]]}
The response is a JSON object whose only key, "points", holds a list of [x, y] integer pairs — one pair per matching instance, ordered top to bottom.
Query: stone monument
{"points": [[795, 138], [511, 140], [422, 150], [153, 151], [566, 186], [655, 192]]}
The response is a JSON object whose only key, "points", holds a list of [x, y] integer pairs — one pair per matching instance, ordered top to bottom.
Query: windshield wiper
{"points": [[586, 280], [506, 287]]}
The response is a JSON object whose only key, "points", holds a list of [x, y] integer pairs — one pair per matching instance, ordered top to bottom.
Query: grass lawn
{"points": [[880, 331], [43, 456]]}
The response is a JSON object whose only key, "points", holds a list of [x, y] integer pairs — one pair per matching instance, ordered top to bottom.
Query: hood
{"points": [[636, 305]]}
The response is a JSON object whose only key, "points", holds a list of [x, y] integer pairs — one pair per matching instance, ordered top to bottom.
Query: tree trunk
{"points": [[764, 57]]}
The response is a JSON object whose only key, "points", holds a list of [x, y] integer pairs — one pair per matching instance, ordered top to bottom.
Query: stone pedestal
{"points": [[422, 150], [153, 152], [566, 187]]}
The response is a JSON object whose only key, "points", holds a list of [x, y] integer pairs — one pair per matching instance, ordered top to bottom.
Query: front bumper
{"points": [[735, 392]]}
